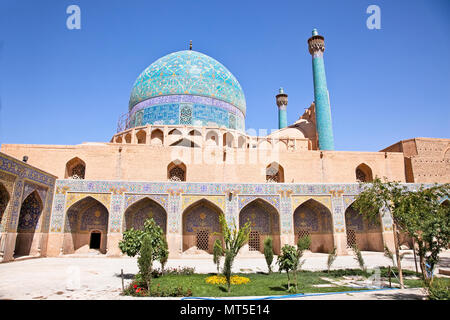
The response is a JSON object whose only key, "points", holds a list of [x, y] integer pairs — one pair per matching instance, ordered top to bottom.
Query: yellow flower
{"points": [[222, 280]]}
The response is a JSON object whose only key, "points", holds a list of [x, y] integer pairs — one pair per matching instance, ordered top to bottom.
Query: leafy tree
{"points": [[382, 198], [423, 217], [133, 239], [234, 240], [151, 246], [268, 252], [217, 253], [331, 257], [287, 261]]}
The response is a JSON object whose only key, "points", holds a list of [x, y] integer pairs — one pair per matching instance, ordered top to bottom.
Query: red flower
{"points": [[135, 286]]}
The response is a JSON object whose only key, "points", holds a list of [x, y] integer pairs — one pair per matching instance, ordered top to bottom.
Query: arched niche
{"points": [[141, 137], [157, 138], [75, 169], [176, 171], [274, 173], [363, 173], [4, 200], [136, 214], [30, 219], [84, 219], [313, 219], [264, 222], [201, 226], [366, 234]]}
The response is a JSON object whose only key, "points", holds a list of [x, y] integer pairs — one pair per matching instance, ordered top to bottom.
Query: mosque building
{"points": [[181, 155]]}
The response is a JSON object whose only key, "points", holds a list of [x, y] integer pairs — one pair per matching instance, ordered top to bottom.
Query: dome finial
{"points": [[315, 32], [190, 44], [281, 90]]}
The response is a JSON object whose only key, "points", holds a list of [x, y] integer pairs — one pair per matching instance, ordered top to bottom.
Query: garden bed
{"points": [[260, 284]]}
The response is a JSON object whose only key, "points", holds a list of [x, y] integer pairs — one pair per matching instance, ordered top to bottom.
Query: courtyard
{"points": [[93, 276]]}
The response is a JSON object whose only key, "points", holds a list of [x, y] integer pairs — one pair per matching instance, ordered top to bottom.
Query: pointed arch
{"points": [[175, 132], [141, 137], [128, 138], [157, 138], [212, 138], [119, 139], [228, 140], [241, 142], [185, 143], [75, 169], [176, 171], [274, 173], [363, 173], [4, 200], [136, 214], [312, 218], [84, 220], [264, 221], [28, 226], [201, 226], [367, 235]]}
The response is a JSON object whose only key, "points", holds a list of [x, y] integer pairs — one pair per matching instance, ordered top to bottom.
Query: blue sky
{"points": [[60, 86]]}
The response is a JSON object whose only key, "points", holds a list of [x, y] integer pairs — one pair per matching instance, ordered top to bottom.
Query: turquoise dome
{"points": [[188, 73]]}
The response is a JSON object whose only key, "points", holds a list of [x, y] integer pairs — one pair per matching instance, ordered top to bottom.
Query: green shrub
{"points": [[268, 252], [331, 257], [359, 257], [145, 260], [288, 261], [439, 290]]}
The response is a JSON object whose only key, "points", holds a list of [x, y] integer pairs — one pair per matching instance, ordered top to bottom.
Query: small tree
{"points": [[382, 198], [423, 217], [234, 240], [150, 244], [303, 244], [268, 252], [217, 253], [164, 255], [331, 257], [359, 258], [145, 260], [287, 261]]}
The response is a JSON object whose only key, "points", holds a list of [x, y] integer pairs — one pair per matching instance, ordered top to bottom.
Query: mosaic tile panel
{"points": [[162, 199], [246, 199], [298, 200], [186, 201], [30, 212]]}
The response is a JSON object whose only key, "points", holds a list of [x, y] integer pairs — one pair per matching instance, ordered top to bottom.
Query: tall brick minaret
{"points": [[316, 46]]}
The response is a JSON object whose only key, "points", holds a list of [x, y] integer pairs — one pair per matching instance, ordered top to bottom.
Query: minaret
{"points": [[316, 46], [282, 101]]}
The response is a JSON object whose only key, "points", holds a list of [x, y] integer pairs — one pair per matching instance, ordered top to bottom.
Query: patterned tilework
{"points": [[187, 72], [323, 111], [187, 113], [24, 175], [7, 180], [285, 197], [103, 198], [162, 199], [246, 199], [187, 200], [298, 200], [30, 212], [136, 214], [201, 217], [262, 217], [314, 217]]}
